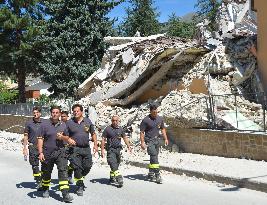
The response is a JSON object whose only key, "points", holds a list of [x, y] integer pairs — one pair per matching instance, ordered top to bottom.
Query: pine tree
{"points": [[208, 9], [142, 17], [19, 21], [178, 28], [72, 42]]}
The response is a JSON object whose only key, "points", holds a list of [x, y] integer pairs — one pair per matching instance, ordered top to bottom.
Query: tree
{"points": [[208, 9], [142, 17], [18, 27], [178, 28], [72, 43], [7, 96]]}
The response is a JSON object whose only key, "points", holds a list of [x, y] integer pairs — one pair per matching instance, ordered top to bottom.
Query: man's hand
{"points": [[59, 135], [22, 141], [71, 142], [166, 142], [143, 145], [95, 149], [130, 149], [25, 151], [102, 153], [41, 157]]}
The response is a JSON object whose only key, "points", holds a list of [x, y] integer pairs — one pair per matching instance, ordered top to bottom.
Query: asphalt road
{"points": [[17, 188]]}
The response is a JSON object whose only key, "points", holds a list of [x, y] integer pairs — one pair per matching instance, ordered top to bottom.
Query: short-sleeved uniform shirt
{"points": [[151, 126], [32, 129], [48, 131], [80, 133], [113, 136]]}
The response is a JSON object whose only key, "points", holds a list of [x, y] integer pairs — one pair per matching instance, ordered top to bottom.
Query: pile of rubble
{"points": [[236, 19], [131, 69], [195, 84], [10, 141]]}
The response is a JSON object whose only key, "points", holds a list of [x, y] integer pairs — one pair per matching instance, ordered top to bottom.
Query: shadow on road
{"points": [[141, 177], [102, 181], [243, 183], [28, 185], [235, 188], [37, 194], [52, 194]]}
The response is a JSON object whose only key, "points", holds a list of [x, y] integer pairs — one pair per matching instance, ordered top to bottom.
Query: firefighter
{"points": [[65, 118], [79, 130], [112, 135], [149, 137], [30, 139], [52, 151]]}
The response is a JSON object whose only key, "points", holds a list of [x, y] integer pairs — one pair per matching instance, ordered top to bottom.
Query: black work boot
{"points": [[151, 176], [158, 178], [70, 179], [112, 179], [119, 180], [38, 181], [80, 188], [46, 193], [66, 196]]}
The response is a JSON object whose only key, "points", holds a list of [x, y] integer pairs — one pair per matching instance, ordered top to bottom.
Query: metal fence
{"points": [[24, 109], [225, 112], [238, 112]]}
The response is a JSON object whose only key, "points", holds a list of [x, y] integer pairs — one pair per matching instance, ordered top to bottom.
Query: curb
{"points": [[238, 182]]}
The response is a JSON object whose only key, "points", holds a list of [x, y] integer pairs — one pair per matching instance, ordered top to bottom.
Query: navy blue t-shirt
{"points": [[151, 126], [32, 129], [48, 131], [80, 133], [113, 136]]}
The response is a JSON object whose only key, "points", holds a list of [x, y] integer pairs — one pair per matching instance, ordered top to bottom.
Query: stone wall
{"points": [[13, 123], [221, 143]]}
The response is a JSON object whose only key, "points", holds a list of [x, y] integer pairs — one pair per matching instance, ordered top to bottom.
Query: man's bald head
{"points": [[115, 120]]}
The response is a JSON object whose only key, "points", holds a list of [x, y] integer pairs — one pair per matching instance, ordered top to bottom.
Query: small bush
{"points": [[7, 96]]}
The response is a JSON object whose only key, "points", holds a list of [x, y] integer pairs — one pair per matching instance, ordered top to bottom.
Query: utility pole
{"points": [[260, 6]]}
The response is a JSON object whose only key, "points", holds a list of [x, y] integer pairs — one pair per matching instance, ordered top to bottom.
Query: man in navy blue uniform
{"points": [[64, 118], [79, 130], [112, 134], [149, 137], [30, 143], [52, 151]]}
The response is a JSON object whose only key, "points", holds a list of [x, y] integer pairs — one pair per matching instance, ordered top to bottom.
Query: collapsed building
{"points": [[208, 82]]}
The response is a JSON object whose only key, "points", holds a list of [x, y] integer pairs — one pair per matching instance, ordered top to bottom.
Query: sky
{"points": [[165, 7]]}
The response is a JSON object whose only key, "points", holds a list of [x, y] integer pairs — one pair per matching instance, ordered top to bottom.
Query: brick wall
{"points": [[32, 94], [221, 143]]}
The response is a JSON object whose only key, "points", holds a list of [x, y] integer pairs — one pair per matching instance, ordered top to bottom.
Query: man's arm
{"points": [[163, 130], [164, 133], [142, 134], [66, 138], [94, 138], [25, 139], [126, 140], [142, 140], [103, 141], [25, 143], [40, 143]]}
